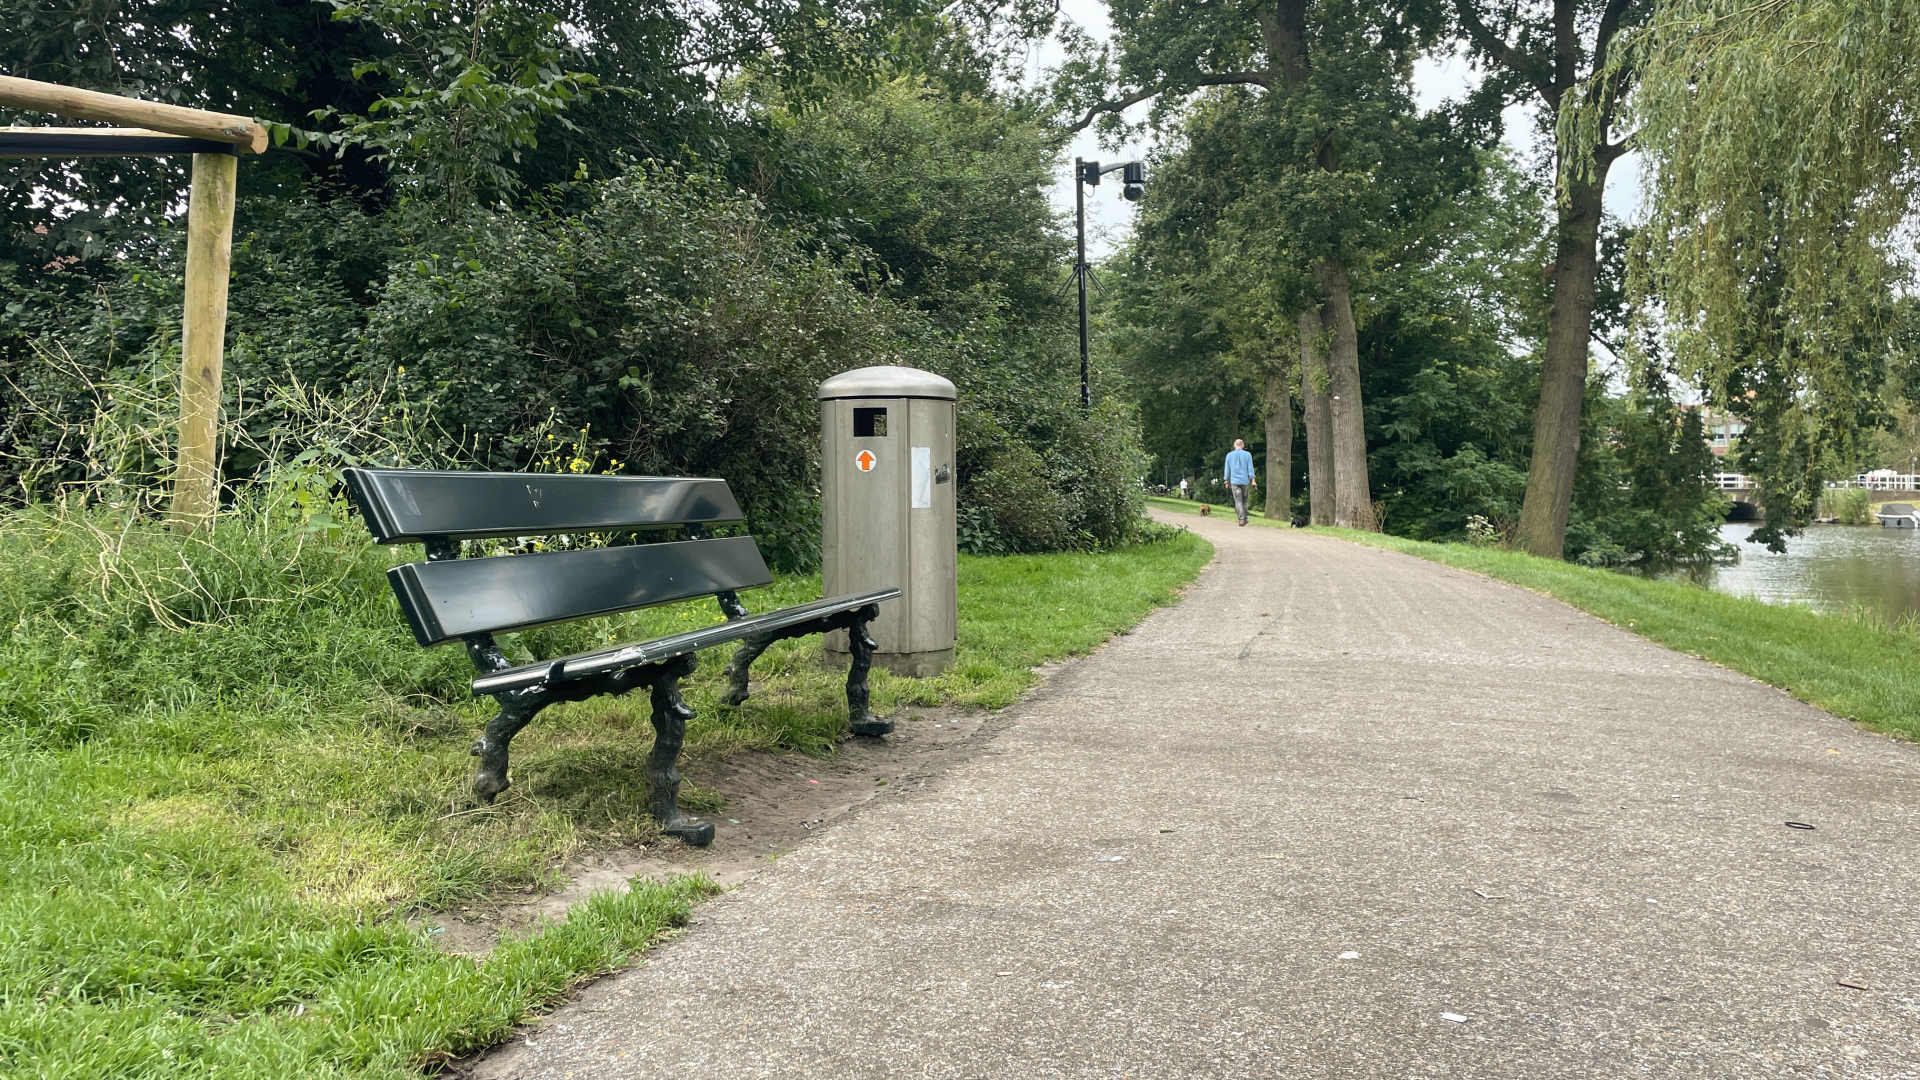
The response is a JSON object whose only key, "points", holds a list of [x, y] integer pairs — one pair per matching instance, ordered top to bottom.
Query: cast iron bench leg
{"points": [[862, 646], [743, 658], [517, 710], [670, 716]]}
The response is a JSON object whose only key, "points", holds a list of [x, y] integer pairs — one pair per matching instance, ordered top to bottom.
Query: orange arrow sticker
{"points": [[865, 460]]}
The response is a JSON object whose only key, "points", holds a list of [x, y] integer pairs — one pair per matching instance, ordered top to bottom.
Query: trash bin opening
{"points": [[869, 423]]}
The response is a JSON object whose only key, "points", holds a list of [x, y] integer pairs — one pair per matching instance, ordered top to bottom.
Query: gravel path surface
{"points": [[1340, 813]]}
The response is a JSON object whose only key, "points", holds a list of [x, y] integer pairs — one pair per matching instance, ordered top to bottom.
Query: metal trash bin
{"points": [[888, 510]]}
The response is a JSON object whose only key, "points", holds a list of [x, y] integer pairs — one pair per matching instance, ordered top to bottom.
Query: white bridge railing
{"points": [[1880, 480], [1873, 481]]}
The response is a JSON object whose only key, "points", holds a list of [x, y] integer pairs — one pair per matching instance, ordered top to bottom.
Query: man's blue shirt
{"points": [[1239, 467]]}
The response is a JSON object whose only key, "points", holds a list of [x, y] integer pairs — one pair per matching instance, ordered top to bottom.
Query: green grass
{"points": [[1852, 665], [227, 773]]}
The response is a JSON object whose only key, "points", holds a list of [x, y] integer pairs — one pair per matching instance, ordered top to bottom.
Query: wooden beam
{"points": [[248, 136], [53, 142], [203, 332]]}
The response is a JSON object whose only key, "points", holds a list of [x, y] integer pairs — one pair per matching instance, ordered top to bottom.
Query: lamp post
{"points": [[1086, 174]]}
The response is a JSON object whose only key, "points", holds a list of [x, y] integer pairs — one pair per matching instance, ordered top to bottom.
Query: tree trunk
{"points": [[1563, 373], [1319, 420], [1279, 442], [1353, 499]]}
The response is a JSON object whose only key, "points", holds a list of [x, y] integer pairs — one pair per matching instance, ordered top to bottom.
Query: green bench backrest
{"points": [[403, 506], [445, 599]]}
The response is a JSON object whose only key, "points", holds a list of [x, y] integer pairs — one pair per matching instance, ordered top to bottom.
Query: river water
{"points": [[1829, 567]]}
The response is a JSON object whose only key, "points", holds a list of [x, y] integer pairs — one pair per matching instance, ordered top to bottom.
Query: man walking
{"points": [[1240, 477]]}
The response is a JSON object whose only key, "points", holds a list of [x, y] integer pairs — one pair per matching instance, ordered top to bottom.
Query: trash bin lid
{"points": [[885, 382]]}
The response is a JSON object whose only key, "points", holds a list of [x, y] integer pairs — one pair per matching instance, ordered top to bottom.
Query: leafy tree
{"points": [[1559, 53], [322, 67], [472, 81], [1329, 132], [945, 193], [940, 196], [1193, 323], [1448, 343], [1644, 492]]}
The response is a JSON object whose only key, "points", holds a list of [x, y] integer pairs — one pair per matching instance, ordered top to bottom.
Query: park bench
{"points": [[449, 598]]}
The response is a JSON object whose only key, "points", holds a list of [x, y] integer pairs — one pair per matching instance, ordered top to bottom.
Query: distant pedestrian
{"points": [[1240, 477], [1183, 487]]}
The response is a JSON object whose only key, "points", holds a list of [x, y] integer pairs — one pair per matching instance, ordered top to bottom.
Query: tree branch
{"points": [[1609, 27], [1285, 33], [1495, 46], [1566, 46], [1231, 78], [1607, 83]]}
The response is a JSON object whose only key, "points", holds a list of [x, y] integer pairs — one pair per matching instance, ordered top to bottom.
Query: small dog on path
{"points": [[1205, 510]]}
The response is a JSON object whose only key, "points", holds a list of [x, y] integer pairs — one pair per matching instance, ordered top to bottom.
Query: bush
{"points": [[658, 312], [1080, 491], [1644, 493], [1847, 506]]}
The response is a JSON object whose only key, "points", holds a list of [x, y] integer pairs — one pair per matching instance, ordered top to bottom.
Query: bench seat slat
{"points": [[403, 506], [448, 600], [601, 661]]}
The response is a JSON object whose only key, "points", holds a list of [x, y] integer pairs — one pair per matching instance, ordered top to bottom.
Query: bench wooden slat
{"points": [[403, 506], [450, 599], [601, 661]]}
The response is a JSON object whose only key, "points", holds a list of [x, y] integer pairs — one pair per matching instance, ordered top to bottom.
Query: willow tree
{"points": [[1559, 52], [1327, 79], [1781, 141]]}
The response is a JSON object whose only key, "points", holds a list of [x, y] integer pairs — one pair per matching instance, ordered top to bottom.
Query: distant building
{"points": [[1721, 429]]}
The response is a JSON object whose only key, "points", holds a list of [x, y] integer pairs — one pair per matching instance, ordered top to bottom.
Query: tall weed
{"points": [[1847, 506]]}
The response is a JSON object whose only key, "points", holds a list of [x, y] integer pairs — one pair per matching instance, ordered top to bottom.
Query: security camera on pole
{"points": [[1086, 174]]}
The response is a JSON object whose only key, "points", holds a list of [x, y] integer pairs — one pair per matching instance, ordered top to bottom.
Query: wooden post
{"points": [[203, 326], [203, 332]]}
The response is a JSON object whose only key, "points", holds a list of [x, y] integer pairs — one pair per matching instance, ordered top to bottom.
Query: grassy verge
{"points": [[1192, 506], [1844, 664], [1849, 665], [225, 771]]}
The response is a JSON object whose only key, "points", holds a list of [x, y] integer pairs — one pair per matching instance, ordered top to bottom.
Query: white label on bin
{"points": [[865, 461], [922, 477]]}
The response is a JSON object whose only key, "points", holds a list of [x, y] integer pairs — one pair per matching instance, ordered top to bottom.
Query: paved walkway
{"points": [[1295, 827]]}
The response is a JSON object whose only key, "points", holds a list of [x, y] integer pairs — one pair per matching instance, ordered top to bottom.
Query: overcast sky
{"points": [[1435, 79]]}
